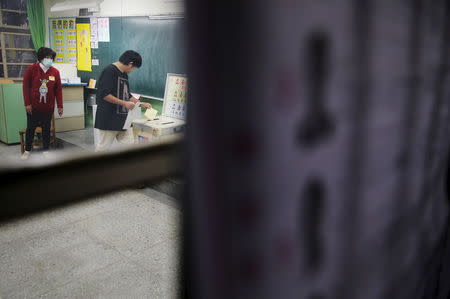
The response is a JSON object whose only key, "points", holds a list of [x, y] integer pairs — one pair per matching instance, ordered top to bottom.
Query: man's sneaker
{"points": [[25, 155]]}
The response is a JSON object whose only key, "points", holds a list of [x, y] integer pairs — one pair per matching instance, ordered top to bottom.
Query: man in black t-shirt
{"points": [[114, 100]]}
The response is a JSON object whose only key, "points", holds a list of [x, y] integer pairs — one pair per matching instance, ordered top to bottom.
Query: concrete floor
{"points": [[81, 138], [74, 141], [120, 245]]}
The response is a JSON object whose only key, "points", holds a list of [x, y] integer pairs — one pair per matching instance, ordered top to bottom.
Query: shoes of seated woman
{"points": [[25, 155]]}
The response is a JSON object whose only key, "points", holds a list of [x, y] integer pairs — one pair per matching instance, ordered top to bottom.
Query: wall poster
{"points": [[63, 39]]}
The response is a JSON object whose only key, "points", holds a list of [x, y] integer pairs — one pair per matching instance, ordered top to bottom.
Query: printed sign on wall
{"points": [[103, 29], [94, 33], [63, 39], [84, 62], [175, 96]]}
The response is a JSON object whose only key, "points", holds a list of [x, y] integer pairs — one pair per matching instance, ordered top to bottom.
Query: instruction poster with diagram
{"points": [[103, 29], [63, 39], [84, 62], [175, 96]]}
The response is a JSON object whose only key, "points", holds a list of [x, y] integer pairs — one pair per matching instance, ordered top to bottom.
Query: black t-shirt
{"points": [[111, 116]]}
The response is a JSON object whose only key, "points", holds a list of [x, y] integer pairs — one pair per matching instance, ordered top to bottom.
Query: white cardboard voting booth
{"points": [[172, 120]]}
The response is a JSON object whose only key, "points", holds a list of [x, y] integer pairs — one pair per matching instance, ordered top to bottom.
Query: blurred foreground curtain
{"points": [[36, 21], [326, 179]]}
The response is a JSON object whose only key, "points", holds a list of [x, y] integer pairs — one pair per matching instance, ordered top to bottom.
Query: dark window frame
{"points": [[26, 189]]}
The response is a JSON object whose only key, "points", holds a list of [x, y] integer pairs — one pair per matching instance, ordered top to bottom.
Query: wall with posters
{"points": [[111, 8], [160, 43], [163, 53]]}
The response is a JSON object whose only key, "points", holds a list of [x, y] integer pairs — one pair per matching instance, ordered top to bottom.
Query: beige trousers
{"points": [[106, 138]]}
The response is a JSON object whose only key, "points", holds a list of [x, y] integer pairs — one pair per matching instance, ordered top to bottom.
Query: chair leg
{"points": [[53, 135], [52, 138], [37, 140], [22, 146]]}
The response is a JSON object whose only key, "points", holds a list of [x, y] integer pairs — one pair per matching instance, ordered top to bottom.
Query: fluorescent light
{"points": [[166, 16]]}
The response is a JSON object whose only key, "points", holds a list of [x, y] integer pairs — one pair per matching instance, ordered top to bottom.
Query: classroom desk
{"points": [[73, 99], [12, 113]]}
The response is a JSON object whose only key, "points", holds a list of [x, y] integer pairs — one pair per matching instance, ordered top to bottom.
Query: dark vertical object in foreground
{"points": [[359, 111], [318, 124], [317, 145], [310, 214]]}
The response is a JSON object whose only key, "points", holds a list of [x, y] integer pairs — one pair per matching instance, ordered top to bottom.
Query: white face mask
{"points": [[47, 62]]}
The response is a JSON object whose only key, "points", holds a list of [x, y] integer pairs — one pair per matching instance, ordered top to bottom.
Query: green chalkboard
{"points": [[160, 43]]}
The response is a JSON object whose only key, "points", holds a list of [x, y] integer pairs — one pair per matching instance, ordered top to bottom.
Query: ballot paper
{"points": [[136, 95], [151, 113], [133, 114]]}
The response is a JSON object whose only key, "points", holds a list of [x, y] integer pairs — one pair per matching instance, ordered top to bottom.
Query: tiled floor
{"points": [[121, 245]]}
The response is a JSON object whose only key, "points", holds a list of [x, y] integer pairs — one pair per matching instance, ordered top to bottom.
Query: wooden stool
{"points": [[38, 131]]}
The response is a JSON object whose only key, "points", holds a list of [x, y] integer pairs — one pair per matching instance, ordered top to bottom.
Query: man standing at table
{"points": [[114, 100]]}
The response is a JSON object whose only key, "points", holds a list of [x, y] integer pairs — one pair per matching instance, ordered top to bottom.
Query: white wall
{"points": [[140, 7], [116, 8]]}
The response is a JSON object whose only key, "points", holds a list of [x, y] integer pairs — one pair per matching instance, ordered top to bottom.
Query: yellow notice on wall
{"points": [[63, 39], [84, 62]]}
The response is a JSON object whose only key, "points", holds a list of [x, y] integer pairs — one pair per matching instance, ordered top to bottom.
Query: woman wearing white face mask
{"points": [[41, 87]]}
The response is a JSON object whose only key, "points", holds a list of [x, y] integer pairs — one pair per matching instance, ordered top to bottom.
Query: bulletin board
{"points": [[63, 39], [175, 96]]}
